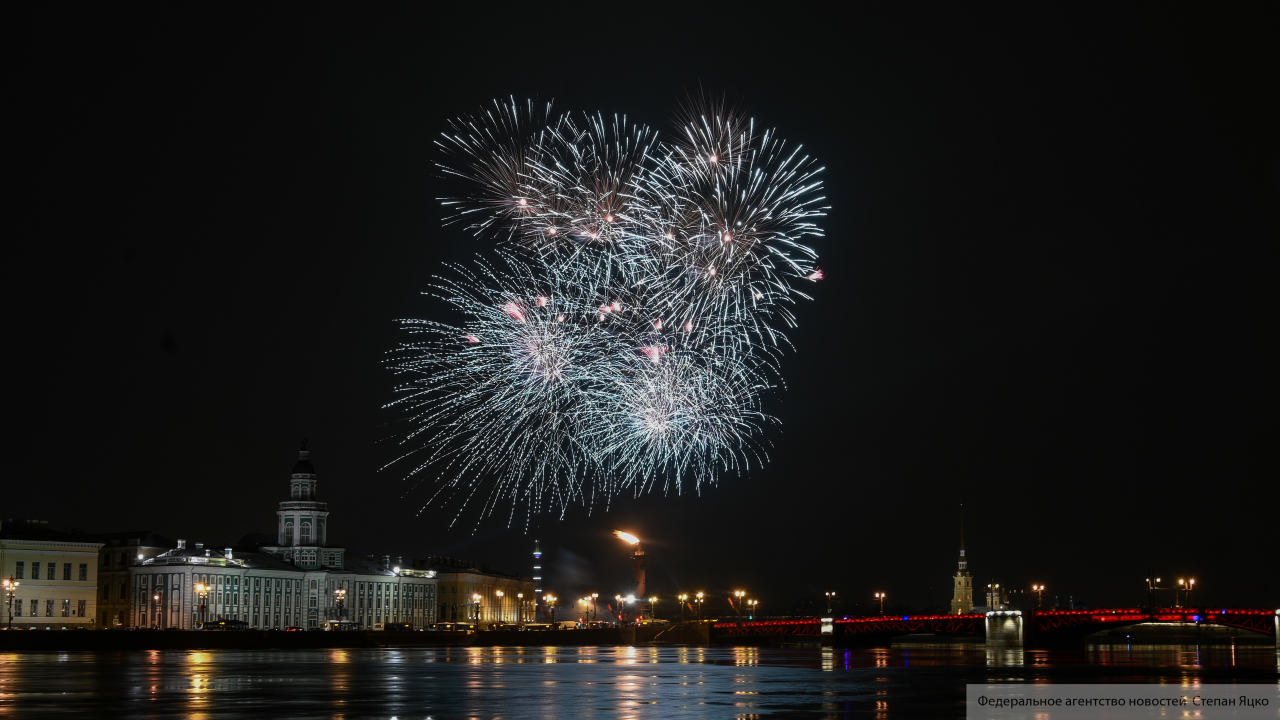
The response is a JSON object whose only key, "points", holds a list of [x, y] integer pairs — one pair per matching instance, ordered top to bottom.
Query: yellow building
{"points": [[57, 576], [465, 591]]}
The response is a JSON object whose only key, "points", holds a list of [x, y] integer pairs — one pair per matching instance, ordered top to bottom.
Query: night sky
{"points": [[1049, 287]]}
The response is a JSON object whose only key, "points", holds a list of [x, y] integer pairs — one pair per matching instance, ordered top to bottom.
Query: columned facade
{"points": [[302, 581]]}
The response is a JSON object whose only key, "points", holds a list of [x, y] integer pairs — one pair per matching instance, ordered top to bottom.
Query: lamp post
{"points": [[1185, 586], [10, 587], [1152, 587], [202, 591], [1039, 591], [499, 594], [738, 594], [830, 594], [594, 597], [698, 597], [880, 597], [683, 598], [340, 599], [550, 601], [753, 604], [475, 605], [520, 608], [653, 608], [155, 611]]}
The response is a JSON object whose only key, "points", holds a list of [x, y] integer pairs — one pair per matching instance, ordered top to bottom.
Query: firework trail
{"points": [[629, 319]]}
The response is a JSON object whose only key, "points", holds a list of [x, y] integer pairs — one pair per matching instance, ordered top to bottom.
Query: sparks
{"points": [[514, 311], [654, 352], [557, 408]]}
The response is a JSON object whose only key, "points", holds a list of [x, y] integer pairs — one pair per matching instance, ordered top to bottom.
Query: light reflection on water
{"points": [[587, 682]]}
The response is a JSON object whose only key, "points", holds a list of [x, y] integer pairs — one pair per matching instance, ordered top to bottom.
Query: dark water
{"points": [[574, 682]]}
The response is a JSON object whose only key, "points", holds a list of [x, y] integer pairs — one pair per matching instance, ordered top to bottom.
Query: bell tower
{"points": [[303, 522], [962, 598]]}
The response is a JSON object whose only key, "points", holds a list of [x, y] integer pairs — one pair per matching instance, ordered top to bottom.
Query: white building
{"points": [[297, 583]]}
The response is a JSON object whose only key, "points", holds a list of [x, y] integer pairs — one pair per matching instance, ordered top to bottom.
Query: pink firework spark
{"points": [[816, 275], [514, 311], [472, 338], [654, 352]]}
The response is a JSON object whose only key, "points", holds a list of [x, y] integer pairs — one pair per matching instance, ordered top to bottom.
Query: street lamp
{"points": [[1185, 586], [10, 587], [1152, 587], [202, 591], [1039, 591], [499, 594], [738, 594], [830, 594], [594, 596], [880, 597], [684, 598], [340, 599], [699, 599], [475, 602], [550, 602], [753, 604], [520, 607], [653, 608], [155, 611]]}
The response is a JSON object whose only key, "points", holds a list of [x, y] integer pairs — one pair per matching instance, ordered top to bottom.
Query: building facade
{"points": [[119, 552], [57, 576], [301, 581], [467, 592]]}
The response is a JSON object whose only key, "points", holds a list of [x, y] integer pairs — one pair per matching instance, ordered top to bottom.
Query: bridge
{"points": [[1001, 627]]}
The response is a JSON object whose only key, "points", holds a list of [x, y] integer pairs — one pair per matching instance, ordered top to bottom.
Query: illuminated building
{"points": [[57, 576], [291, 581], [962, 598]]}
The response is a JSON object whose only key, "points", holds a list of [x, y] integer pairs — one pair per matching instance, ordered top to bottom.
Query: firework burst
{"points": [[629, 323]]}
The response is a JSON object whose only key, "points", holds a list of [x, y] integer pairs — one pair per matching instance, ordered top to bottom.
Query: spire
{"points": [[964, 564]]}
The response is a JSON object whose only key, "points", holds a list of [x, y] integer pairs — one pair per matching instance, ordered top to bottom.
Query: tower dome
{"points": [[303, 466]]}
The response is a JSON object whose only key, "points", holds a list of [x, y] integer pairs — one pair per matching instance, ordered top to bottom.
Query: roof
{"points": [[303, 466], [39, 530], [145, 538], [251, 560], [365, 566]]}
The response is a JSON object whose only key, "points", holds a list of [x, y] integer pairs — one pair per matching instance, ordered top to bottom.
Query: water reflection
{"points": [[554, 682]]}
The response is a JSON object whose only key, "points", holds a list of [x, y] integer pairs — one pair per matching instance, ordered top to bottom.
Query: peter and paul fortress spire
{"points": [[962, 598]]}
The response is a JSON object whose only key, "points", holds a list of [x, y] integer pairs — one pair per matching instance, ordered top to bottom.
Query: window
{"points": [[306, 533], [106, 562], [35, 569], [20, 571], [66, 571], [84, 571], [51, 573], [313, 584], [122, 590], [17, 606], [48, 607], [80, 607]]}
